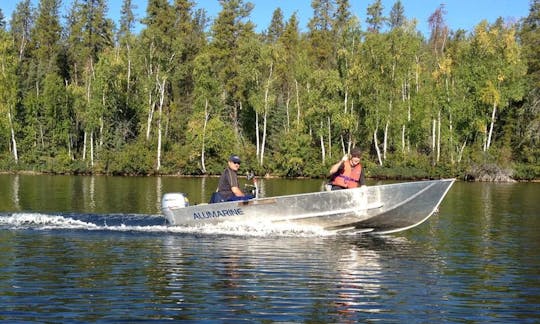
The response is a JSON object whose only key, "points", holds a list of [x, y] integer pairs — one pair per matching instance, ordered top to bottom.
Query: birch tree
{"points": [[21, 23], [90, 33], [347, 33], [159, 56], [287, 69], [441, 71], [499, 71], [8, 89], [207, 130]]}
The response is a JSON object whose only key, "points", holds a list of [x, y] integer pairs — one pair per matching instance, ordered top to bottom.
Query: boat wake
{"points": [[149, 224]]}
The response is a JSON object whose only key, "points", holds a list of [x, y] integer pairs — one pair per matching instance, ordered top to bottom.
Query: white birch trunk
{"points": [[22, 46], [417, 74], [128, 85], [88, 95], [403, 99], [345, 101], [297, 103], [236, 107], [265, 113], [150, 116], [409, 116], [160, 117], [206, 117], [101, 122], [101, 126], [491, 126], [288, 127], [386, 127], [451, 128], [433, 135], [257, 136], [349, 136], [41, 137], [439, 137], [329, 138], [13, 139], [385, 139], [403, 139], [485, 139], [376, 142], [263, 144], [69, 145], [84, 146], [92, 149], [461, 151], [323, 152]]}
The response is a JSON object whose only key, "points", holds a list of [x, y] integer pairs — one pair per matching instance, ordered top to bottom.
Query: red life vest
{"points": [[350, 177]]}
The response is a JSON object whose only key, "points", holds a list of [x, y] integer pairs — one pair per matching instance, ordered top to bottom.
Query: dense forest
{"points": [[82, 94]]}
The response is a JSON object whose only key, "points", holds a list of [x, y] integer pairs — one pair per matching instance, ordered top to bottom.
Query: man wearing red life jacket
{"points": [[348, 173]]}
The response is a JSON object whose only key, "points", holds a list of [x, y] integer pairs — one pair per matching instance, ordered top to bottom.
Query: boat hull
{"points": [[379, 209]]}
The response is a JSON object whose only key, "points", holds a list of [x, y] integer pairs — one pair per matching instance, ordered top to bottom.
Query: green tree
{"points": [[397, 17], [375, 19], [2, 20], [127, 20], [22, 21], [21, 24], [276, 27], [227, 32], [90, 33], [46, 37], [126, 39], [189, 39], [348, 39], [530, 39], [157, 40], [321, 50], [41, 64], [288, 68], [499, 70], [441, 72], [452, 75], [377, 101], [322, 106], [57, 116], [528, 123], [202, 136]]}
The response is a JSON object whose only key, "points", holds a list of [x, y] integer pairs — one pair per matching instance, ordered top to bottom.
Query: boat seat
{"points": [[215, 198]]}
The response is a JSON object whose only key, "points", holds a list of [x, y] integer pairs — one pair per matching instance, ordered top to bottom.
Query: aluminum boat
{"points": [[377, 209]]}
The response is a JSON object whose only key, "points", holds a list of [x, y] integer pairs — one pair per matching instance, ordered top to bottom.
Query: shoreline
{"points": [[267, 176]]}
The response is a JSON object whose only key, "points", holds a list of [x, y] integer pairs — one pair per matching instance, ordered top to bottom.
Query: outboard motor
{"points": [[173, 201]]}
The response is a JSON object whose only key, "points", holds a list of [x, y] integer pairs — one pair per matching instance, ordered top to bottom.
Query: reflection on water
{"points": [[15, 191], [159, 192], [95, 249], [279, 276], [358, 282]]}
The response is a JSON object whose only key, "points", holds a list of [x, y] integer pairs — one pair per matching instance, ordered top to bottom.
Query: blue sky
{"points": [[464, 14]]}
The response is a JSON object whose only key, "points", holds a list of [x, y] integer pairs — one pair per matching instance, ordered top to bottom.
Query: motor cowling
{"points": [[174, 200]]}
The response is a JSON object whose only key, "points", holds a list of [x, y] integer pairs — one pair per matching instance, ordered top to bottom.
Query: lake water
{"points": [[96, 249]]}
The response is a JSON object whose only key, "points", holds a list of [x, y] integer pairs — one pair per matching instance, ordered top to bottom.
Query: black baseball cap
{"points": [[235, 159]]}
